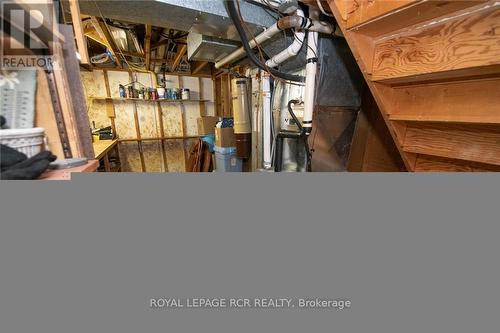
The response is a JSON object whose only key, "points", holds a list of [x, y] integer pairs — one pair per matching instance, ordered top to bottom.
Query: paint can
{"points": [[123, 92], [131, 92], [161, 92], [169, 94], [176, 94], [185, 94]]}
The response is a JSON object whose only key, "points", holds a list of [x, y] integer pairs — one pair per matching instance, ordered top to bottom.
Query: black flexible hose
{"points": [[233, 14], [290, 110], [303, 134]]}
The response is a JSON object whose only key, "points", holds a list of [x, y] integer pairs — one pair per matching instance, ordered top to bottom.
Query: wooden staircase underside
{"points": [[433, 68]]}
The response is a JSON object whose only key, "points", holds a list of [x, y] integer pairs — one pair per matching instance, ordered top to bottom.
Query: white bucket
{"points": [[29, 141]]}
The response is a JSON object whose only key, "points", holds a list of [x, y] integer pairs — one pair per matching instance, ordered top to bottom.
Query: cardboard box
{"points": [[206, 125], [224, 137]]}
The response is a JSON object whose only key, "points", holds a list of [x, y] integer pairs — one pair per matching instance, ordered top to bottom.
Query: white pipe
{"points": [[267, 34], [292, 50], [311, 69], [267, 121]]}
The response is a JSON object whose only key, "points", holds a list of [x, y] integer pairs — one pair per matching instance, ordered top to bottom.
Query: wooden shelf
{"points": [[177, 101], [160, 139]]}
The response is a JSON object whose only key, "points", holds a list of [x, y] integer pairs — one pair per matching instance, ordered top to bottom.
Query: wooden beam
{"points": [[97, 27], [92, 34], [81, 41], [111, 42], [147, 45], [180, 53], [199, 67], [162, 134]]}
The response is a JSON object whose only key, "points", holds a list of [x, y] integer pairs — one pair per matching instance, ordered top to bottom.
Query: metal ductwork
{"points": [[204, 17], [208, 48]]}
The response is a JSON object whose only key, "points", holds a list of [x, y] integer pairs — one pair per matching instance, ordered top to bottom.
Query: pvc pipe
{"points": [[298, 22], [267, 34], [293, 49], [311, 69], [267, 122]]}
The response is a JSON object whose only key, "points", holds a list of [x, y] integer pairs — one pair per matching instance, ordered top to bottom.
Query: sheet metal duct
{"points": [[201, 16], [208, 48]]}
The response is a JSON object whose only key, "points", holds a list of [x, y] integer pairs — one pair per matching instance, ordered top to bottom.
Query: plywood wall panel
{"points": [[115, 79], [94, 87], [207, 89], [97, 114], [191, 114], [148, 119], [178, 119], [172, 120], [124, 121], [175, 155], [152, 156], [129, 157]]}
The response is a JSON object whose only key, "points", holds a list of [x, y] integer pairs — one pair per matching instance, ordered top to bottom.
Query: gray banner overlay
{"points": [[410, 253]]}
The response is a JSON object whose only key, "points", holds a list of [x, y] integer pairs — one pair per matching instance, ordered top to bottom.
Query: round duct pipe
{"points": [[241, 114]]}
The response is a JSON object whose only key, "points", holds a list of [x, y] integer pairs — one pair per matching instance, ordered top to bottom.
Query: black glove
{"points": [[16, 165]]}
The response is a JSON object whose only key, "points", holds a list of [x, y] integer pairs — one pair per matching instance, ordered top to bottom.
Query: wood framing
{"points": [[81, 40], [147, 46], [178, 57]]}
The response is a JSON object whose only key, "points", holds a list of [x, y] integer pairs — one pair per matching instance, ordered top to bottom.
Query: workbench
{"points": [[102, 151], [65, 174]]}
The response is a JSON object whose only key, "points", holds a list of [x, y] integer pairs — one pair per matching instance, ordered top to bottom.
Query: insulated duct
{"points": [[241, 113]]}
